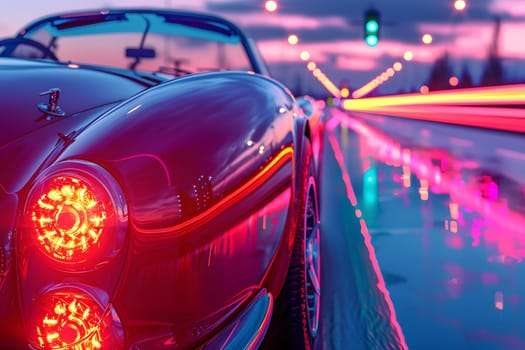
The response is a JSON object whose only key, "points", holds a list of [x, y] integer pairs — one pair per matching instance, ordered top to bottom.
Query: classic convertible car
{"points": [[158, 188]]}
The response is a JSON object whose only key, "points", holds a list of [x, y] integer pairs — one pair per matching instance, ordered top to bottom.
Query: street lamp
{"points": [[270, 5], [460, 5], [293, 39], [427, 39], [305, 55], [311, 66], [397, 66]]}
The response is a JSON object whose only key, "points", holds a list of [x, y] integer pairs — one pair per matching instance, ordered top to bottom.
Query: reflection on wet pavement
{"points": [[447, 227]]}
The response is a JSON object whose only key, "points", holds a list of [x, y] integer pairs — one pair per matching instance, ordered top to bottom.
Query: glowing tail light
{"points": [[76, 215], [69, 218], [72, 319]]}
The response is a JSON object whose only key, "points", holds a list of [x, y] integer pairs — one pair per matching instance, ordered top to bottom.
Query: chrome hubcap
{"points": [[313, 264]]}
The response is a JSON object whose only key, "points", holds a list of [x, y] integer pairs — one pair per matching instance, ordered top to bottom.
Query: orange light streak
{"points": [[507, 94], [460, 106]]}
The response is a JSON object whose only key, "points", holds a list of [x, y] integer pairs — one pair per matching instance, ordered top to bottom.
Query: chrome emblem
{"points": [[52, 109]]}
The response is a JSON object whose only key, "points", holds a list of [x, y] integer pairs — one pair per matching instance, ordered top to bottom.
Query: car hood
{"points": [[23, 81], [27, 136], [29, 141]]}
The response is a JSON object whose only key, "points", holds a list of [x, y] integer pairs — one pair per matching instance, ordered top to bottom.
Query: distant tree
{"points": [[493, 72], [440, 74], [465, 80], [298, 89]]}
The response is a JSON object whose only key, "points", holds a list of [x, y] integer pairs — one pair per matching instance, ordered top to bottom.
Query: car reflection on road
{"points": [[448, 234]]}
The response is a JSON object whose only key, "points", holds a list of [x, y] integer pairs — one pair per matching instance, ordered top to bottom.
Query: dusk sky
{"points": [[331, 30]]}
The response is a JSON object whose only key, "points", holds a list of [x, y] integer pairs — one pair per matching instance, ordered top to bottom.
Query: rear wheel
{"points": [[297, 321]]}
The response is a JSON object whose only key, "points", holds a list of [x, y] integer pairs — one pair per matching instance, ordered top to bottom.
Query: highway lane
{"points": [[423, 235]]}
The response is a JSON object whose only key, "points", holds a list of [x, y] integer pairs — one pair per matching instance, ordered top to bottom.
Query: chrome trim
{"points": [[249, 329]]}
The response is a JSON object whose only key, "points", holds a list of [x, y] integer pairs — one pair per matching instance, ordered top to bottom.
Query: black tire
{"points": [[296, 321]]}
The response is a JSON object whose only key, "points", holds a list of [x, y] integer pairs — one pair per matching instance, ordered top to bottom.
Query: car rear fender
{"points": [[206, 163]]}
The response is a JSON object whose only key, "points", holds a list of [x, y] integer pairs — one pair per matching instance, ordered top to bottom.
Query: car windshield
{"points": [[152, 41]]}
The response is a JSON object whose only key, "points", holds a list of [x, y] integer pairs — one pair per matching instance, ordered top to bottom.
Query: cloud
{"points": [[311, 8], [514, 8], [289, 22], [332, 30], [474, 39], [511, 43], [363, 64]]}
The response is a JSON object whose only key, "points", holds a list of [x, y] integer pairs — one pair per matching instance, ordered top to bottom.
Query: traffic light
{"points": [[372, 24]]}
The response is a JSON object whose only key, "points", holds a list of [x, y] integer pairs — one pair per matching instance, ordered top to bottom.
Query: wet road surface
{"points": [[423, 236]]}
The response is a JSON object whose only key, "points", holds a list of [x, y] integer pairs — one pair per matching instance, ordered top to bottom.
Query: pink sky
{"points": [[467, 39]]}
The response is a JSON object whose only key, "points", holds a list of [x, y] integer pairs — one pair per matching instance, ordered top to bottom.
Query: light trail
{"points": [[497, 95], [487, 107]]}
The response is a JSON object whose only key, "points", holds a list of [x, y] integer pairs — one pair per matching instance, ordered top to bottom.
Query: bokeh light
{"points": [[460, 5], [270, 6], [293, 39], [427, 39], [305, 55], [408, 56], [397, 66], [453, 81]]}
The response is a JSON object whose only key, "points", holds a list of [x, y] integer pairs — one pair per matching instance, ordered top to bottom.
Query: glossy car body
{"points": [[151, 209]]}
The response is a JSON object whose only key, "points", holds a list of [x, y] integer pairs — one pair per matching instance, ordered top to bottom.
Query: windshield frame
{"points": [[206, 22]]}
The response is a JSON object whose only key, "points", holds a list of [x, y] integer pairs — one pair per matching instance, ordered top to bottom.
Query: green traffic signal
{"points": [[372, 25], [371, 40]]}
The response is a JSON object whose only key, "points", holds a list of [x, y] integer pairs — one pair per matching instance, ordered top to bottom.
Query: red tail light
{"points": [[77, 215], [70, 217], [74, 229], [72, 319]]}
